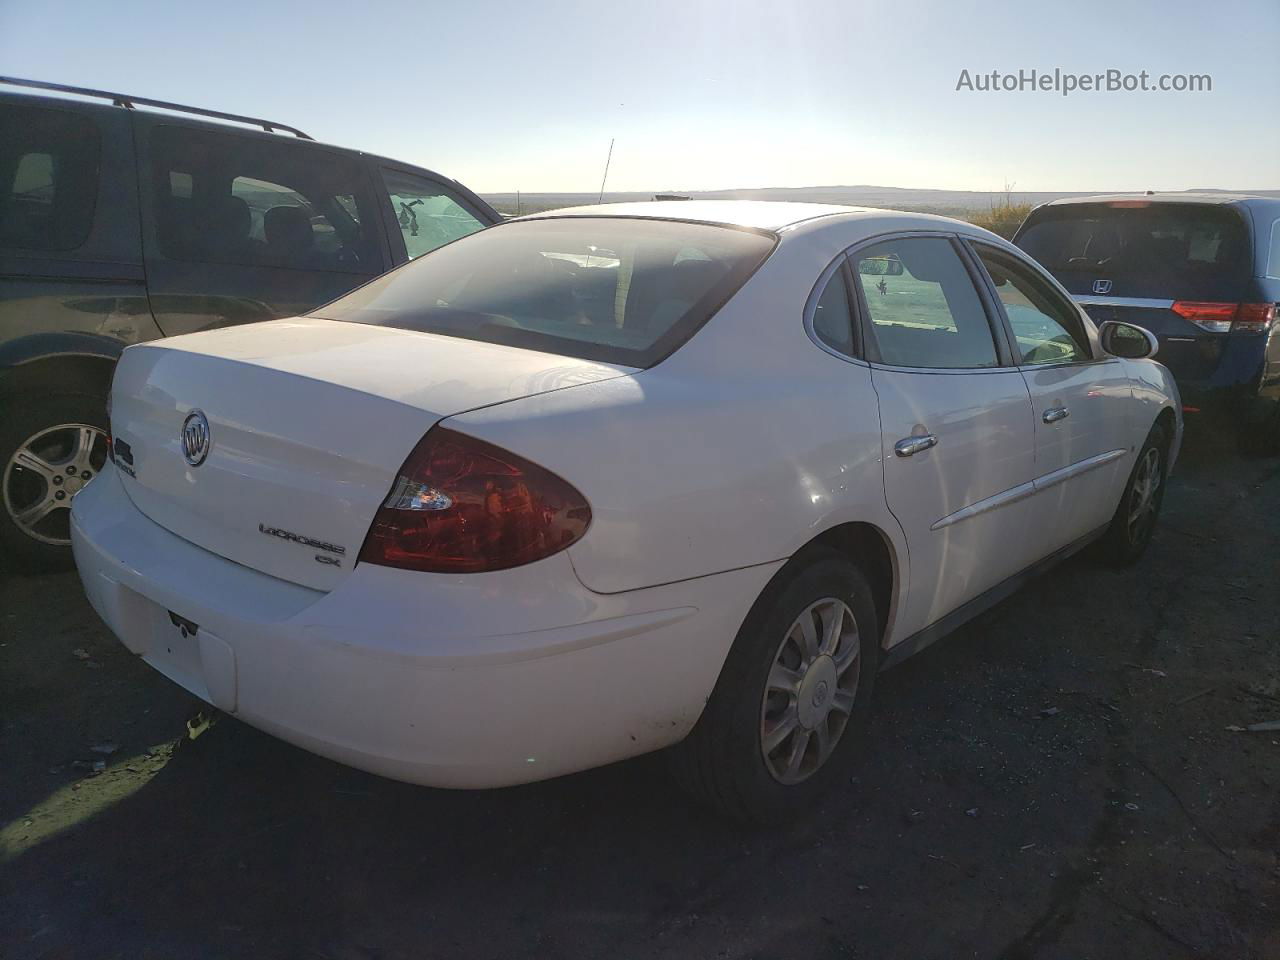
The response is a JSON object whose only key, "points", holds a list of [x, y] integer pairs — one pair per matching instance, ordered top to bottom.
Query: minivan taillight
{"points": [[1227, 317], [461, 505]]}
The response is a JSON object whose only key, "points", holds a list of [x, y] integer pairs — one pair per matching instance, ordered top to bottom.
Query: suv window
{"points": [[48, 178], [224, 198], [428, 214], [1150, 246], [1273, 254], [929, 314], [832, 318], [1047, 330]]}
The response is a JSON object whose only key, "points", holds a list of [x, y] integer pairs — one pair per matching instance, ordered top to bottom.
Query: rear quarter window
{"points": [[49, 162], [1273, 251]]}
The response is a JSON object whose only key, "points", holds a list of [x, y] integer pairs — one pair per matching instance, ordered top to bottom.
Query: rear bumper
{"points": [[1228, 378], [455, 681]]}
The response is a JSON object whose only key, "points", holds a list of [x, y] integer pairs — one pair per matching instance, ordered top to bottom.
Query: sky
{"points": [[704, 94]]}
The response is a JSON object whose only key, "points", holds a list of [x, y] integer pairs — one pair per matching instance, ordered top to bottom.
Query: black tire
{"points": [[52, 421], [1125, 540], [722, 763]]}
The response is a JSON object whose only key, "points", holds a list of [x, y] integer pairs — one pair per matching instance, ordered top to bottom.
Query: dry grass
{"points": [[1005, 215]]}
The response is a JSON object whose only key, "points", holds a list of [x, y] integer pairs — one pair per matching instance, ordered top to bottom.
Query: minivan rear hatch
{"points": [[1133, 259]]}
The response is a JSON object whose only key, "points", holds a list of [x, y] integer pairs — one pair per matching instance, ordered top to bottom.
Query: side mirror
{"points": [[889, 266], [1126, 340]]}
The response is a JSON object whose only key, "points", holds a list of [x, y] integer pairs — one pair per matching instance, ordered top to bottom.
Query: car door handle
{"points": [[1054, 414], [910, 446]]}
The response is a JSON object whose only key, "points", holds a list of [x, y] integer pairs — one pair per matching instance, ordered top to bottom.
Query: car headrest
{"points": [[288, 229], [1172, 251], [690, 279]]}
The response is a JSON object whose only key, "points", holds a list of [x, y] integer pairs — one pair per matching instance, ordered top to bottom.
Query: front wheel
{"points": [[49, 449], [1134, 521], [793, 699]]}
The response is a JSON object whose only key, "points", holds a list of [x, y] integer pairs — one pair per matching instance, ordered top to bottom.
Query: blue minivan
{"points": [[1200, 271]]}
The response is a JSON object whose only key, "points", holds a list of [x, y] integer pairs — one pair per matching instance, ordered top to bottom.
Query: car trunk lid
{"points": [[308, 423]]}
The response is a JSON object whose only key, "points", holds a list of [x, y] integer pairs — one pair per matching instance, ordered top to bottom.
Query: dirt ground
{"points": [[1058, 780]]}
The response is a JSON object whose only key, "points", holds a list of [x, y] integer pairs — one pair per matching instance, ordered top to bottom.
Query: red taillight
{"points": [[1227, 317], [1254, 317], [461, 505]]}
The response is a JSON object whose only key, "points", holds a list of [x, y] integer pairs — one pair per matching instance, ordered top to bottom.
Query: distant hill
{"points": [[958, 203]]}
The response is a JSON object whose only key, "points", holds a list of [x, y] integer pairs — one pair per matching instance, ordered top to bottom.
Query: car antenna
{"points": [[603, 179]]}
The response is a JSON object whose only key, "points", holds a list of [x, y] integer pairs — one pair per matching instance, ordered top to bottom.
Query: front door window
{"points": [[428, 214]]}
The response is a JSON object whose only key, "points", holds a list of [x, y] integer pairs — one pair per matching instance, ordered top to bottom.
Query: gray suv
{"points": [[124, 219]]}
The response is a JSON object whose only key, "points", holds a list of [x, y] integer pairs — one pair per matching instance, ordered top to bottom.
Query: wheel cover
{"points": [[45, 472], [1143, 497], [810, 692]]}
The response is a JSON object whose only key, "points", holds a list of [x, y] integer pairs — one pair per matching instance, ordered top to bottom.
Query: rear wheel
{"points": [[50, 447], [1135, 518], [793, 699]]}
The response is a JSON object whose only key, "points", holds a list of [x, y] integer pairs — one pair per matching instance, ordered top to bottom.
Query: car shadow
{"points": [[986, 801]]}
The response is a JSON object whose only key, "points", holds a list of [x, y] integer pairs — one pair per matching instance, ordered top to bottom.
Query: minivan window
{"points": [[48, 178], [225, 198], [1168, 244], [1273, 255], [611, 289]]}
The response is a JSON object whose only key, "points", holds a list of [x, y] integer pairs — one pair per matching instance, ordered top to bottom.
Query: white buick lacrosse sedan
{"points": [[613, 479]]}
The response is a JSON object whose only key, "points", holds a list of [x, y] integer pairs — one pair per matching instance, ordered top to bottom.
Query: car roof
{"points": [[82, 103], [243, 126], [1206, 197], [757, 214]]}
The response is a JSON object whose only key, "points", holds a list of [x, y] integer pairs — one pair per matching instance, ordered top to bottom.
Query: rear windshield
{"points": [[1169, 244], [611, 289]]}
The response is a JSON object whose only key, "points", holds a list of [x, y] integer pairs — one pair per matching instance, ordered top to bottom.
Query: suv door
{"points": [[242, 226], [70, 250], [71, 297], [1082, 402], [957, 439]]}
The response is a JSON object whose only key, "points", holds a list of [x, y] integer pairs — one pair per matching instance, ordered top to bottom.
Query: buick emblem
{"points": [[1102, 286], [195, 438]]}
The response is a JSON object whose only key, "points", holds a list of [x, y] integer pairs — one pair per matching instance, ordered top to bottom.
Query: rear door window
{"points": [[48, 178], [225, 198], [427, 214], [1144, 248], [923, 306]]}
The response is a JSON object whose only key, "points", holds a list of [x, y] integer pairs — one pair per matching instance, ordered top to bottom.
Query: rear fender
{"points": [[83, 362]]}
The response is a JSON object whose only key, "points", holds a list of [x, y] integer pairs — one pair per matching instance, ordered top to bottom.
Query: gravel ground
{"points": [[1057, 780]]}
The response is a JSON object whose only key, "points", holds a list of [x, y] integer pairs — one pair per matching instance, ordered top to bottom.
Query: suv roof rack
{"points": [[128, 102]]}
